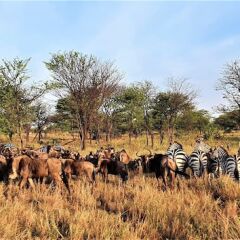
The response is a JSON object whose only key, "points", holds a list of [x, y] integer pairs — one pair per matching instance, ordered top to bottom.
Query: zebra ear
{"points": [[228, 147]]}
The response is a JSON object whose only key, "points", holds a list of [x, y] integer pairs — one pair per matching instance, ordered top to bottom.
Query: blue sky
{"points": [[147, 40]]}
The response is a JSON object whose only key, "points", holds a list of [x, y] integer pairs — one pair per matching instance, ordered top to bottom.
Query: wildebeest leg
{"points": [[105, 175], [164, 178], [172, 178], [41, 180], [65, 181], [22, 183], [31, 183]]}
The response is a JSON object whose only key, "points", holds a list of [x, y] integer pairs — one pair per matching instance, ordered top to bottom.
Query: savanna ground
{"points": [[196, 209]]}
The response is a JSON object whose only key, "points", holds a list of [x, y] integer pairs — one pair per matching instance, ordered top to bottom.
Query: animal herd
{"points": [[60, 166]]}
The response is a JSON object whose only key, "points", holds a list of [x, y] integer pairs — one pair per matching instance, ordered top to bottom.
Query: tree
{"points": [[86, 81], [229, 84], [148, 92], [17, 95], [169, 105], [109, 109], [130, 111], [42, 119], [194, 120], [228, 121]]}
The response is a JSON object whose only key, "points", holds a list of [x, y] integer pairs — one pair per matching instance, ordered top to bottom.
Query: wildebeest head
{"points": [[144, 159], [134, 165]]}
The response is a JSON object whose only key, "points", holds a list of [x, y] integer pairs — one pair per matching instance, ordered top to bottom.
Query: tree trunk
{"points": [[27, 131], [81, 131], [170, 132], [10, 135], [39, 135], [98, 135], [20, 136], [161, 136], [90, 137], [130, 137], [146, 137], [82, 139], [152, 139]]}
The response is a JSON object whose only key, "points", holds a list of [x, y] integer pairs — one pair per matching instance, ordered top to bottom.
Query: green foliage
{"points": [[16, 97], [129, 115], [193, 120], [228, 121]]}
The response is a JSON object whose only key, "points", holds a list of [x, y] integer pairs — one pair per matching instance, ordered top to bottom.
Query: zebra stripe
{"points": [[180, 157], [198, 163], [227, 163], [238, 165], [231, 167]]}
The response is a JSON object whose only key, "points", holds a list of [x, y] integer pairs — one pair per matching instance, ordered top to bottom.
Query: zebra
{"points": [[174, 145], [200, 145], [175, 152], [198, 162], [226, 163], [238, 164]]}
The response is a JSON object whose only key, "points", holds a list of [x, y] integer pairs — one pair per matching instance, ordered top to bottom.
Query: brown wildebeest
{"points": [[35, 154], [124, 157], [163, 166], [114, 167], [3, 168], [28, 168], [79, 168]]}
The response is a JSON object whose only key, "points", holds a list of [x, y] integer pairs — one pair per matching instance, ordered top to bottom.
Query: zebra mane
{"points": [[175, 145], [201, 146], [222, 149]]}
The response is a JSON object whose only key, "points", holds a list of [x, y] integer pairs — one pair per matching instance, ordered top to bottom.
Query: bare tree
{"points": [[87, 81], [229, 84]]}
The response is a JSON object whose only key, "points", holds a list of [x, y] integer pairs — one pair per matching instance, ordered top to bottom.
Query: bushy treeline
{"points": [[93, 102]]}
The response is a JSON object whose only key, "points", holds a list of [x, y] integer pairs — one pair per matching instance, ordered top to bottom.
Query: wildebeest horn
{"points": [[149, 151], [137, 154]]}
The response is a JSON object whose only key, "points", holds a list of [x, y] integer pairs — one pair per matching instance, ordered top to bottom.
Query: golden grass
{"points": [[196, 209]]}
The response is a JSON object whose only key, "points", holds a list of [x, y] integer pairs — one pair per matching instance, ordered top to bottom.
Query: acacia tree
{"points": [[86, 81], [229, 84], [146, 88], [17, 95], [169, 105], [109, 109], [130, 111], [42, 119]]}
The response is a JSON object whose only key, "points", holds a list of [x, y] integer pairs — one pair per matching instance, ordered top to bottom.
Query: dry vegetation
{"points": [[196, 209]]}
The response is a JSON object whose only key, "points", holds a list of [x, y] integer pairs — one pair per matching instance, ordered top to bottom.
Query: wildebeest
{"points": [[123, 156], [93, 158], [144, 159], [134, 166], [163, 166], [113, 167], [3, 168], [29, 168], [79, 168]]}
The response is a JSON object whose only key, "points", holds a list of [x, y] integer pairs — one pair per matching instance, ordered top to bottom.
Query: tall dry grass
{"points": [[196, 209]]}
